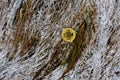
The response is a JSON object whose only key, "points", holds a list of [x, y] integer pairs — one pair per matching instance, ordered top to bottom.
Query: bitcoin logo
{"points": [[68, 34]]}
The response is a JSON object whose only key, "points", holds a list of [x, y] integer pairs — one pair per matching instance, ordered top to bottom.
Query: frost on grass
{"points": [[31, 46]]}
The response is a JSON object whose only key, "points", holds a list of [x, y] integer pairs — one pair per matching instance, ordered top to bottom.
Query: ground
{"points": [[31, 46]]}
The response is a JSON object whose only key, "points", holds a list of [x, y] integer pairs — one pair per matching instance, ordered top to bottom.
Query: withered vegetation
{"points": [[21, 34], [72, 51], [65, 54]]}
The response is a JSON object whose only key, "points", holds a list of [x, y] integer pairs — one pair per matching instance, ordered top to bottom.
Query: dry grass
{"points": [[21, 35], [84, 35], [60, 57]]}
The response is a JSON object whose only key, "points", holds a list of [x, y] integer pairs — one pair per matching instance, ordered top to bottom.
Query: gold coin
{"points": [[68, 34]]}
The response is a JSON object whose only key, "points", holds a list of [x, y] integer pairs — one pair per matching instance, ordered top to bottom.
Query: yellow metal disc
{"points": [[68, 34]]}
